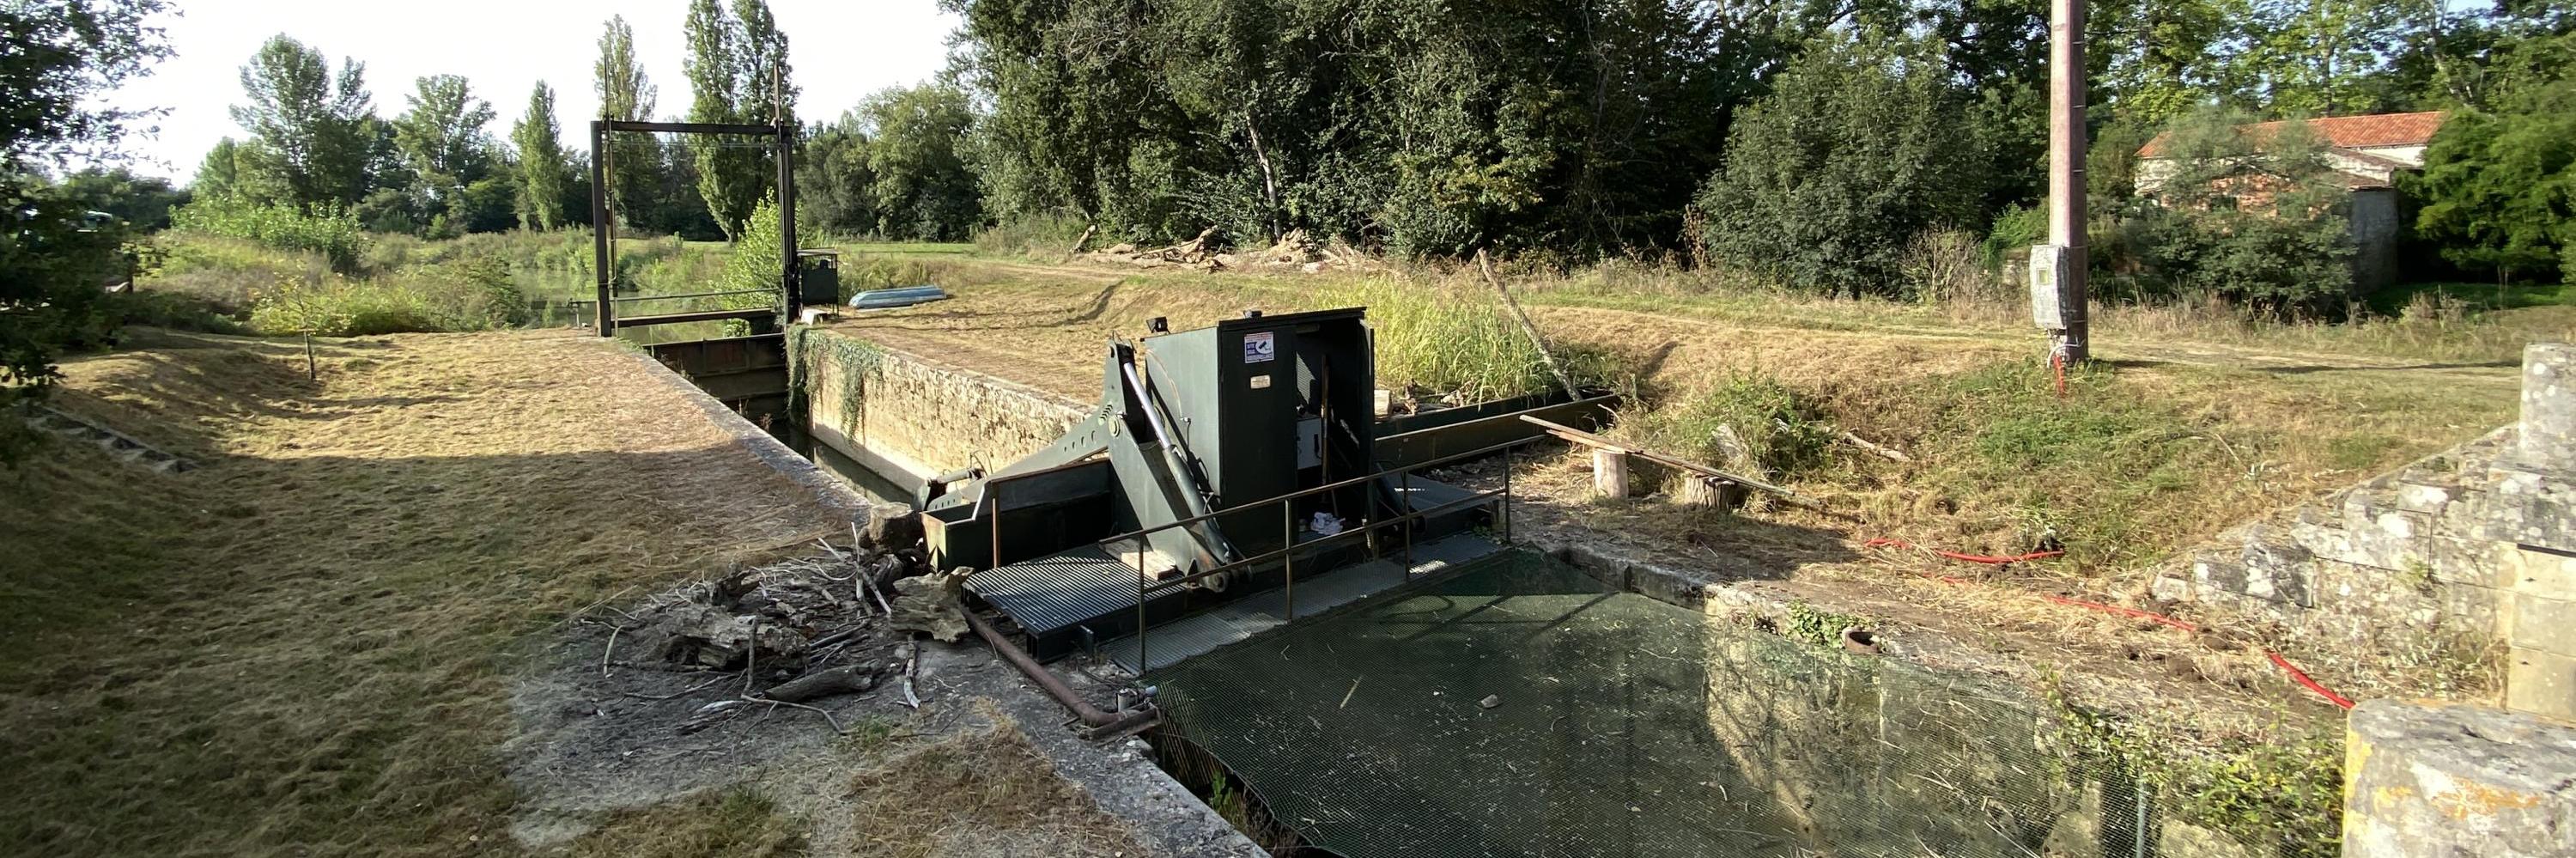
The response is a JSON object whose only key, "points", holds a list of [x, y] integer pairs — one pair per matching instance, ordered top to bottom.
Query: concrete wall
{"points": [[913, 414], [2478, 542]]}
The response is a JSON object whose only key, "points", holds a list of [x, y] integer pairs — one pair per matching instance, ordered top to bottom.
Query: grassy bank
{"points": [[306, 645]]}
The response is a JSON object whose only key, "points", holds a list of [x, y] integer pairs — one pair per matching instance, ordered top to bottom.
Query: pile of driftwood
{"points": [[1295, 251], [840, 621]]}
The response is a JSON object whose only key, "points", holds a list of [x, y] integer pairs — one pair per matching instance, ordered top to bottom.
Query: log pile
{"points": [[1295, 251], [832, 623]]}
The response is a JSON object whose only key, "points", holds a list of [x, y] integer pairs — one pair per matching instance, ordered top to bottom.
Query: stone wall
{"points": [[914, 414], [2479, 541], [2456, 780]]}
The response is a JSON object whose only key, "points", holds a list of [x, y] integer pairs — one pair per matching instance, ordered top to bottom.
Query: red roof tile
{"points": [[2349, 132]]}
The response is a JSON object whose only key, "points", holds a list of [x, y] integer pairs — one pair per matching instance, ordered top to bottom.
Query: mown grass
{"points": [[307, 645]]}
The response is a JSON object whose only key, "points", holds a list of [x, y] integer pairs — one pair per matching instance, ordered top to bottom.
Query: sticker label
{"points": [[1260, 348], [1260, 382]]}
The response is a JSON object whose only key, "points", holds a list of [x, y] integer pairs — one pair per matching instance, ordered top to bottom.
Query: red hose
{"points": [[2296, 675], [2301, 677]]}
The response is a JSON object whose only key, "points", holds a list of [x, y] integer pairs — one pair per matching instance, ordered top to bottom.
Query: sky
{"points": [[840, 50]]}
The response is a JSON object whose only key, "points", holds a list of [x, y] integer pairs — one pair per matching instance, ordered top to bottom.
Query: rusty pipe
{"points": [[1101, 723]]}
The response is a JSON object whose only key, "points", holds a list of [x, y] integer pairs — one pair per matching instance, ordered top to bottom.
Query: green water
{"points": [[1623, 726]]}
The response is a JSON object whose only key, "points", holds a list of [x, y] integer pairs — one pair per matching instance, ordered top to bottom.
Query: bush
{"points": [[1856, 151], [2258, 217], [2016, 228], [328, 230], [1046, 236], [466, 295], [1749, 417]]}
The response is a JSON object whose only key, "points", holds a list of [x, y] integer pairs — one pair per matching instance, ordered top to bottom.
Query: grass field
{"points": [[305, 646]]}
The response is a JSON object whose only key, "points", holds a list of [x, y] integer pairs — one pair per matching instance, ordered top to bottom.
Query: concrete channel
{"points": [[1521, 704]]}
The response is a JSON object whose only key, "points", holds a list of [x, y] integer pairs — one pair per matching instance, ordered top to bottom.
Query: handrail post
{"points": [[993, 521], [1406, 524], [1506, 529], [1288, 561], [1141, 663]]}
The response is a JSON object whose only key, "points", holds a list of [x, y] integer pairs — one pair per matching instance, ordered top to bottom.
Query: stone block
{"points": [[2548, 437], [2426, 499], [2531, 508], [2473, 563], [2211, 574], [2547, 574], [2170, 588], [2547, 625], [2542, 683], [2425, 779]]}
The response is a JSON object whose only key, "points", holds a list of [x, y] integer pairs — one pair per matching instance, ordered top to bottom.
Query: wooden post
{"points": [[2066, 218], [1610, 474]]}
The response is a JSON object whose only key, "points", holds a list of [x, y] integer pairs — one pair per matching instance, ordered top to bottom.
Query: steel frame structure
{"points": [[790, 295]]}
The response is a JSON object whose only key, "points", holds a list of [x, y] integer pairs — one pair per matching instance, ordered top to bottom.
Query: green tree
{"points": [[61, 56], [738, 72], [314, 126], [445, 150], [1852, 155], [635, 166], [542, 175], [923, 186], [835, 187], [2498, 191], [142, 202], [2261, 218]]}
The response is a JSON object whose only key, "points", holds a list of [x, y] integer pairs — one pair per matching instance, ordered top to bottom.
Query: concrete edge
{"points": [[760, 444]]}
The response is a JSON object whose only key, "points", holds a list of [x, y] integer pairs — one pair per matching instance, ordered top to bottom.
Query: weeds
{"points": [[329, 231], [1457, 344], [1745, 420]]}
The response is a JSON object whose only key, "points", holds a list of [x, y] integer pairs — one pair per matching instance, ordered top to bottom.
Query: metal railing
{"points": [[1286, 554]]}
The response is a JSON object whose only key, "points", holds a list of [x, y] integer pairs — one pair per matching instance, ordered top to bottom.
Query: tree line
{"points": [[1812, 138], [1814, 141], [315, 143]]}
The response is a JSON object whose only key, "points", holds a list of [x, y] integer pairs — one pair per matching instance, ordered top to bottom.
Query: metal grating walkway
{"points": [[1057, 592], [1234, 622]]}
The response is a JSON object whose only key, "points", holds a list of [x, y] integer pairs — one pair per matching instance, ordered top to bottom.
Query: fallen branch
{"points": [[1084, 241], [911, 662], [850, 679]]}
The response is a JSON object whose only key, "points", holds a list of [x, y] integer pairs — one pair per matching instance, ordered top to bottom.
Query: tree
{"points": [[61, 55], [737, 68], [314, 126], [445, 149], [1852, 155], [634, 168], [542, 177], [835, 187], [923, 187], [2498, 191], [142, 202], [2259, 217]]}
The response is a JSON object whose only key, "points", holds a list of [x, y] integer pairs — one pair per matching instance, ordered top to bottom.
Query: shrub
{"points": [[1855, 152], [2257, 216], [2015, 229], [328, 230], [1044, 236], [470, 294], [1748, 417]]}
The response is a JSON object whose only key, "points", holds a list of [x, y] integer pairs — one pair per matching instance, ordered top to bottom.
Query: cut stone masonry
{"points": [[2478, 541]]}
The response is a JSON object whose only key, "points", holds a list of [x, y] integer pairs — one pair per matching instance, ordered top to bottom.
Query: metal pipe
{"points": [[634, 298], [1369, 527], [1288, 560], [1053, 686]]}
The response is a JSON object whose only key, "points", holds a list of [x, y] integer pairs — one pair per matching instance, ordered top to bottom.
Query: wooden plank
{"points": [[1600, 443]]}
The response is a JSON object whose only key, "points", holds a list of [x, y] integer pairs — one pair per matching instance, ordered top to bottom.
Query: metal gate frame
{"points": [[784, 133]]}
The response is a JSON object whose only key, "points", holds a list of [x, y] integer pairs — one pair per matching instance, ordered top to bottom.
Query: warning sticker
{"points": [[1260, 348]]}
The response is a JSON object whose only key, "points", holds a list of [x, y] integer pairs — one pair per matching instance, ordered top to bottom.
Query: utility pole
{"points": [[2059, 297]]}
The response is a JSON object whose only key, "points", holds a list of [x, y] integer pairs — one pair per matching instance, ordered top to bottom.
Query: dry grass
{"points": [[306, 645], [979, 791], [734, 824]]}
